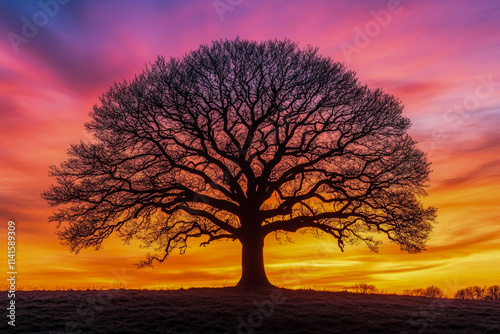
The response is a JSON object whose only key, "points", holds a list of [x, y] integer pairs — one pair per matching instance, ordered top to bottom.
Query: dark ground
{"points": [[229, 310]]}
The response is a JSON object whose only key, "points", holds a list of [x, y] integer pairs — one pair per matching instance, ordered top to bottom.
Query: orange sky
{"points": [[441, 60]]}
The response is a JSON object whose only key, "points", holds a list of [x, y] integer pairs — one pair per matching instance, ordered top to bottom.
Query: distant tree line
{"points": [[472, 292], [481, 293]]}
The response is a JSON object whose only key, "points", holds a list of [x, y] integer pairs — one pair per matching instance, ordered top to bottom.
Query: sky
{"points": [[440, 58]]}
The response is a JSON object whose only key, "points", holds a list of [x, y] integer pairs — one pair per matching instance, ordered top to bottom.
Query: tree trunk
{"points": [[253, 274]]}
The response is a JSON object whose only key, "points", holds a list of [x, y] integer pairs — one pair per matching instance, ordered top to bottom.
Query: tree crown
{"points": [[241, 139]]}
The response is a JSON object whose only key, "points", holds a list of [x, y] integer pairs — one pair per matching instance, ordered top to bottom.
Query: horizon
{"points": [[450, 88]]}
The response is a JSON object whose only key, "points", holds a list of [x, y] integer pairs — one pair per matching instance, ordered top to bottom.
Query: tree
{"points": [[239, 140], [364, 288], [433, 292], [476, 292], [492, 292], [466, 293]]}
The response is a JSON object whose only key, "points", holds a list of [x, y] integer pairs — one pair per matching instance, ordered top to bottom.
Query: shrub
{"points": [[364, 288], [433, 292]]}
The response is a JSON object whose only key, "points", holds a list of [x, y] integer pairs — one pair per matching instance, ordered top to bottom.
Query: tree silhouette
{"points": [[239, 140], [431, 291], [476, 292]]}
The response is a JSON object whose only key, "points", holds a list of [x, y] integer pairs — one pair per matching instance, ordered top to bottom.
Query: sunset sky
{"points": [[440, 58]]}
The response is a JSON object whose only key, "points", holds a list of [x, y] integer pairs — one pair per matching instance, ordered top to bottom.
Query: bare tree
{"points": [[239, 140], [364, 288], [433, 292], [476, 292], [492, 292], [466, 293]]}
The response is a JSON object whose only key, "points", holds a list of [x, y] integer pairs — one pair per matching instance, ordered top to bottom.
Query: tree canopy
{"points": [[238, 140]]}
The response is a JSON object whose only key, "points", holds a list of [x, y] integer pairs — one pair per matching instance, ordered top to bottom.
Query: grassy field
{"points": [[230, 310]]}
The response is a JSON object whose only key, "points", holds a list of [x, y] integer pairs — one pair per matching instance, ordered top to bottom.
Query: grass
{"points": [[231, 310]]}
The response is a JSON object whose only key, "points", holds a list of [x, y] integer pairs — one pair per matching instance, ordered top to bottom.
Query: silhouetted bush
{"points": [[364, 288], [431, 291], [414, 292], [434, 292]]}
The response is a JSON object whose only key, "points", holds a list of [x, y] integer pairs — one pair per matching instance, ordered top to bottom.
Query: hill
{"points": [[231, 310]]}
